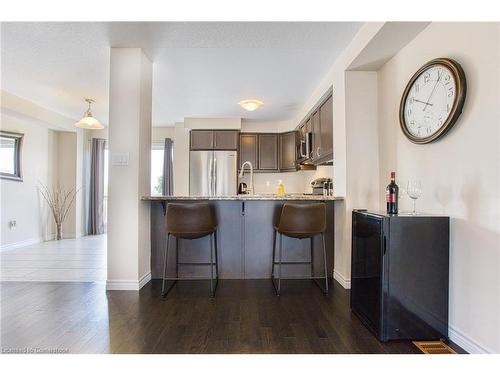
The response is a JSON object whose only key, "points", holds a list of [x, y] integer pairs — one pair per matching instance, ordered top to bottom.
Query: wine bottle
{"points": [[391, 195]]}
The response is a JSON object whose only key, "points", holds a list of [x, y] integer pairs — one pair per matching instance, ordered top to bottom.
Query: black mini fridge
{"points": [[399, 275]]}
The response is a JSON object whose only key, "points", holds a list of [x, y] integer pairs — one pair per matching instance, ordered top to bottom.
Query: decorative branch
{"points": [[60, 201]]}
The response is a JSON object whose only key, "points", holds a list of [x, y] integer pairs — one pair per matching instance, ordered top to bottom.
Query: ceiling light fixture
{"points": [[251, 104], [89, 122]]}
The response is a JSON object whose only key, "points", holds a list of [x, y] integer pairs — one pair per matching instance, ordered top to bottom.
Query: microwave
{"points": [[305, 148]]}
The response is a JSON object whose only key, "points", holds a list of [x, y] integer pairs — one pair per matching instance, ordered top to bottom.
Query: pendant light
{"points": [[89, 122]]}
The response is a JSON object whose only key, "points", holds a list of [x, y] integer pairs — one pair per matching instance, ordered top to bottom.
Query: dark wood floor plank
{"points": [[245, 317]]}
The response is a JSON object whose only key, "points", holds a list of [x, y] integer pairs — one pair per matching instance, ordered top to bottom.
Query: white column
{"points": [[81, 139], [181, 157], [129, 247]]}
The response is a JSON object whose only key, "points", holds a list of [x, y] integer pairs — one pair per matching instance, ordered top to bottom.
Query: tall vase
{"points": [[58, 231]]}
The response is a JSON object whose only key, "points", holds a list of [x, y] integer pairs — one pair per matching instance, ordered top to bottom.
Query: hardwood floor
{"points": [[82, 259], [245, 317]]}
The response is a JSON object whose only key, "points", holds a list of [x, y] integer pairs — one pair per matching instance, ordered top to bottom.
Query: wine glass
{"points": [[414, 191]]}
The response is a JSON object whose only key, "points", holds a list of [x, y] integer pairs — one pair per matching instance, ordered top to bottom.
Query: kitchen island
{"points": [[245, 237]]}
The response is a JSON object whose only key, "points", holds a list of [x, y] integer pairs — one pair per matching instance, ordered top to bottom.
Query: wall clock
{"points": [[432, 101]]}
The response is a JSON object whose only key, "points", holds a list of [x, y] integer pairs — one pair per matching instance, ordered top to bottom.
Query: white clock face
{"points": [[430, 101]]}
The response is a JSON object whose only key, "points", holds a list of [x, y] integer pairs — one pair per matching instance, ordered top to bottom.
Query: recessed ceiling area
{"points": [[200, 69]]}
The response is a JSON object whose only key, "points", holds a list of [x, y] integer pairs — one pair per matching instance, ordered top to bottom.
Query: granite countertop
{"points": [[243, 197]]}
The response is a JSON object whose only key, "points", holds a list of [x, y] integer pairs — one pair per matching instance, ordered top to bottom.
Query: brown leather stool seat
{"points": [[190, 221], [300, 221]]}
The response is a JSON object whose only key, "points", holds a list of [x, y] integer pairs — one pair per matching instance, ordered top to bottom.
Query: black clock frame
{"points": [[458, 102]]}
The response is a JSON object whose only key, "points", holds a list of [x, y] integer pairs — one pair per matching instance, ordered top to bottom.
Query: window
{"points": [[157, 152], [10, 156]]}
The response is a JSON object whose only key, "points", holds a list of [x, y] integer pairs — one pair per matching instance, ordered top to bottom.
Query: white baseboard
{"points": [[16, 245], [346, 283], [128, 284], [122, 285], [466, 343]]}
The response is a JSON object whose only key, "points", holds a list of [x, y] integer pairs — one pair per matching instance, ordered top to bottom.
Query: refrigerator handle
{"points": [[215, 175], [211, 177]]}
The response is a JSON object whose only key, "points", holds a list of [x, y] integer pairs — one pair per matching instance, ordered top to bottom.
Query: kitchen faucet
{"points": [[242, 171]]}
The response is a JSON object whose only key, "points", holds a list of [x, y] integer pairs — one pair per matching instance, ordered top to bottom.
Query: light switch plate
{"points": [[120, 159]]}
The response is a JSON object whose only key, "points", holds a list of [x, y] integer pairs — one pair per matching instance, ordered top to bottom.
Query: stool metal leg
{"points": [[311, 245], [274, 254], [216, 256], [176, 257], [165, 260], [280, 260], [216, 262], [324, 262], [211, 266], [165, 268], [277, 285]]}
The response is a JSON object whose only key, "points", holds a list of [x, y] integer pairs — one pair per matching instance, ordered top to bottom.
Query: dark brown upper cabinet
{"points": [[320, 125], [316, 136], [226, 139], [202, 140], [214, 140], [248, 149], [260, 149], [288, 149], [324, 150], [268, 152]]}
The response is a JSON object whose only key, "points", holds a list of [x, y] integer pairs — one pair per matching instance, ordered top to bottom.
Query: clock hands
{"points": [[432, 92], [421, 101]]}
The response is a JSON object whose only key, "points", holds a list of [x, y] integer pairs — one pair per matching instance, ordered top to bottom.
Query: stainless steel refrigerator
{"points": [[212, 172]]}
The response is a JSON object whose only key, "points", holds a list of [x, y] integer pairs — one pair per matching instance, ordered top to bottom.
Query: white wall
{"points": [[29, 112], [212, 123], [267, 126], [158, 134], [181, 159], [43, 161], [460, 173], [82, 175], [66, 176], [265, 183], [21, 200]]}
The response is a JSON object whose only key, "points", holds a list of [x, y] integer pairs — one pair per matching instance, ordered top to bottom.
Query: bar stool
{"points": [[190, 221], [300, 221]]}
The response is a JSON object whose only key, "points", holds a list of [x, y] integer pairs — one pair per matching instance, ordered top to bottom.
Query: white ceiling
{"points": [[200, 69]]}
